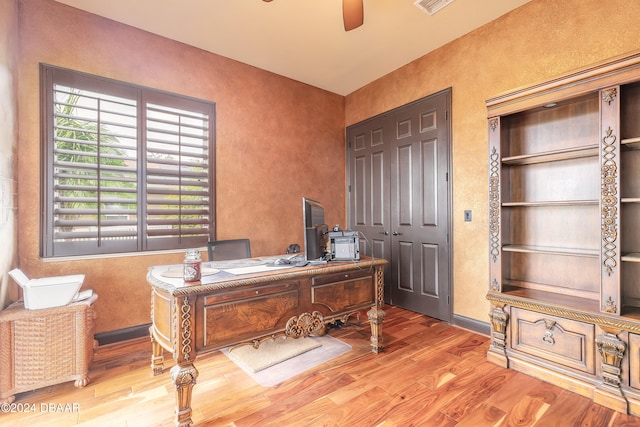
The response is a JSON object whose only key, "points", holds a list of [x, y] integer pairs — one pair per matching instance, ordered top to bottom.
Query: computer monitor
{"points": [[316, 231]]}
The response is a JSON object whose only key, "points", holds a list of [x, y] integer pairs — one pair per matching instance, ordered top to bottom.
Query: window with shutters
{"points": [[125, 168]]}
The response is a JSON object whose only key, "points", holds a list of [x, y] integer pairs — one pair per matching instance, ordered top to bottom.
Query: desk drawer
{"points": [[341, 277], [342, 292], [248, 293], [239, 315], [565, 342]]}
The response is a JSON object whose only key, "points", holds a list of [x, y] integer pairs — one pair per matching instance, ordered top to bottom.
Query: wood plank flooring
{"points": [[430, 374]]}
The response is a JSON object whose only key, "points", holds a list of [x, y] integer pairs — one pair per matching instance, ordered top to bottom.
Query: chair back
{"points": [[222, 250]]}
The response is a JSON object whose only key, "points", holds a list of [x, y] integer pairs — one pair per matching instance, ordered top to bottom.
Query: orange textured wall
{"points": [[537, 41], [277, 140], [8, 145]]}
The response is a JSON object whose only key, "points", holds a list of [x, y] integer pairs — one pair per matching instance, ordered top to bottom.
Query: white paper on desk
{"points": [[256, 269]]}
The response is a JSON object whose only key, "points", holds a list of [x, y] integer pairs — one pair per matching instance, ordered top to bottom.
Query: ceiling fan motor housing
{"points": [[431, 6]]}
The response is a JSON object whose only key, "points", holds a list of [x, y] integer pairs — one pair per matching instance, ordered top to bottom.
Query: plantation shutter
{"points": [[93, 167], [127, 168], [178, 200]]}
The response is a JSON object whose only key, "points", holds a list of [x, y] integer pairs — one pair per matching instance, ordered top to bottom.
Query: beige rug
{"points": [[278, 360]]}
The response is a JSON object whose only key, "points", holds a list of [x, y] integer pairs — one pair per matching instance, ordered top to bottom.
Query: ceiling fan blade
{"points": [[352, 14]]}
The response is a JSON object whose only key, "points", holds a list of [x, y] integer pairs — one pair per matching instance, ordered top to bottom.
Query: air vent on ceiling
{"points": [[431, 6]]}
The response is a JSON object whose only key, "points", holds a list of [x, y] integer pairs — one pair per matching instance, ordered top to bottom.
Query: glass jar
{"points": [[192, 265]]}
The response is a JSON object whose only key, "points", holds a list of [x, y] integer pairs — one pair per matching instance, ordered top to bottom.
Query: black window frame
{"points": [[168, 165]]}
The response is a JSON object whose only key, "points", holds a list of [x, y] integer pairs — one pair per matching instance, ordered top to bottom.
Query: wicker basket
{"points": [[43, 347]]}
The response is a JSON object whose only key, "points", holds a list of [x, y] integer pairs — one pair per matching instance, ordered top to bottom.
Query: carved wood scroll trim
{"points": [[601, 319]]}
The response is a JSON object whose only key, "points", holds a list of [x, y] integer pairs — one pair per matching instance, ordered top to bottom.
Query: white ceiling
{"points": [[305, 39]]}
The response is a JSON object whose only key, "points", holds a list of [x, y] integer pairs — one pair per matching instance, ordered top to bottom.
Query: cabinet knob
{"points": [[548, 338]]}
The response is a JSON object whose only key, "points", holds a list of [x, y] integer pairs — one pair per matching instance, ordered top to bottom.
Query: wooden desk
{"points": [[223, 309]]}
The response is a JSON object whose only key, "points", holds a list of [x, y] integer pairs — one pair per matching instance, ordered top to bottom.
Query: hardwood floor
{"points": [[430, 374]]}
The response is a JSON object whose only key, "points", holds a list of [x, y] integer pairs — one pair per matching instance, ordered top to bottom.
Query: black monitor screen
{"points": [[313, 213], [315, 229]]}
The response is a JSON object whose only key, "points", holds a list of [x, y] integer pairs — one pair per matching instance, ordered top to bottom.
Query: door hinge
{"points": [[446, 176], [349, 188]]}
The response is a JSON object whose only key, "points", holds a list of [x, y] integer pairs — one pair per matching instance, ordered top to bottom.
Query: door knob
{"points": [[386, 233], [395, 233]]}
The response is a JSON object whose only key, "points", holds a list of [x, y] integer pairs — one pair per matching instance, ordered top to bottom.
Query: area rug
{"points": [[277, 360]]}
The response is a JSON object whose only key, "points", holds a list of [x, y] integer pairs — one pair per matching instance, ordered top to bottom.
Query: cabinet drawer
{"points": [[566, 342]]}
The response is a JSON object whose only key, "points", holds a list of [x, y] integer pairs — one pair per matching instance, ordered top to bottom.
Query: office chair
{"points": [[223, 250]]}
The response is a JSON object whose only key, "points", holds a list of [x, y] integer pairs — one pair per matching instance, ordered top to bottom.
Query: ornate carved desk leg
{"points": [[376, 314], [157, 355], [184, 374], [184, 377], [608, 393]]}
